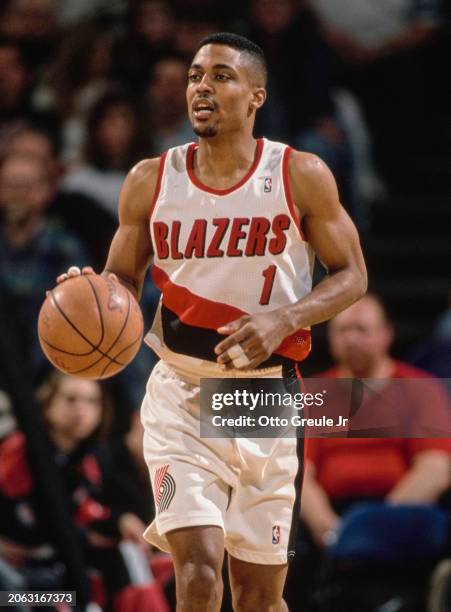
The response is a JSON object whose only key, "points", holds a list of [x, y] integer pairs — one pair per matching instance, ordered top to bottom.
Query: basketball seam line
{"points": [[99, 310], [66, 318], [120, 333], [56, 348], [122, 351]]}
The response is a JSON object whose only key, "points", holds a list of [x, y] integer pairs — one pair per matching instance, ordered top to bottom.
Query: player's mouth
{"points": [[203, 109]]}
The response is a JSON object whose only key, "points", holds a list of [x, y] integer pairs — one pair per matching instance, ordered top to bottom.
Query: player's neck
{"points": [[224, 157]]}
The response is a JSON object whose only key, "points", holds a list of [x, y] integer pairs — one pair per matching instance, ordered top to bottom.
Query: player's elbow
{"points": [[358, 281], [363, 282]]}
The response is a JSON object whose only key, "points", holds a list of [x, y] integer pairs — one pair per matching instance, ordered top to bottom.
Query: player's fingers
{"points": [[87, 270], [73, 271], [62, 277], [113, 277], [233, 326], [235, 338], [251, 344], [253, 352], [237, 357], [224, 360], [254, 362], [227, 366]]}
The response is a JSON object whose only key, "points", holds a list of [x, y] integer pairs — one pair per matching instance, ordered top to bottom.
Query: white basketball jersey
{"points": [[220, 254]]}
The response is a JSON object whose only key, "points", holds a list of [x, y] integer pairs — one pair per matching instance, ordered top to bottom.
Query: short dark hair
{"points": [[243, 44]]}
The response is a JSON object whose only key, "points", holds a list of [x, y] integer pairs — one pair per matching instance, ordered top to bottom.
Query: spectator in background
{"points": [[73, 12], [34, 24], [194, 24], [363, 32], [149, 37], [380, 47], [78, 77], [15, 80], [166, 97], [300, 107], [16, 109], [117, 138], [38, 142], [78, 214], [32, 249], [443, 325], [434, 353], [77, 414], [7, 419], [341, 473], [126, 482]]}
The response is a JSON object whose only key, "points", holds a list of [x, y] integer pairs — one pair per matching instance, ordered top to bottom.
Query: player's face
{"points": [[221, 97]]}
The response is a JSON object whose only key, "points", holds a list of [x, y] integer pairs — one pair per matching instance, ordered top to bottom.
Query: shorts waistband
{"points": [[193, 369]]}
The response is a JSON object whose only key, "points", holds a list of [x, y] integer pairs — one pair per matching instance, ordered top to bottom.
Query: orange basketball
{"points": [[90, 326]]}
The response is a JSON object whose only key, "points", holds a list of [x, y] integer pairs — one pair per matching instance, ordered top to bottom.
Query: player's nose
{"points": [[205, 84]]}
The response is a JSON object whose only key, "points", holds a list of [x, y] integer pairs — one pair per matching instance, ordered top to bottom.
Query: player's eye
{"points": [[223, 77], [193, 78]]}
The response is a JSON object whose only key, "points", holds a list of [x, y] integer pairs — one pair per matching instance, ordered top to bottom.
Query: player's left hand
{"points": [[257, 336]]}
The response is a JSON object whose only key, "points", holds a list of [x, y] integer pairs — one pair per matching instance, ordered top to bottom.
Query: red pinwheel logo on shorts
{"points": [[164, 488]]}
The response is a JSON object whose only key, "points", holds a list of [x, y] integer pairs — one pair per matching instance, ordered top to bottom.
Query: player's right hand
{"points": [[73, 271]]}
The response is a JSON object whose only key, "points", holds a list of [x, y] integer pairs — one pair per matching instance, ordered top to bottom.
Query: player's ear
{"points": [[258, 99]]}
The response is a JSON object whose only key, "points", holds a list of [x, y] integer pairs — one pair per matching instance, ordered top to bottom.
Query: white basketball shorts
{"points": [[244, 486]]}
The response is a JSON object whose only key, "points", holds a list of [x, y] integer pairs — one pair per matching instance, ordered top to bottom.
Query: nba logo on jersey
{"points": [[267, 184], [276, 534]]}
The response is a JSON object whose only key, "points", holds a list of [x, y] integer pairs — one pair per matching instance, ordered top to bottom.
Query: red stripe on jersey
{"points": [[190, 167], [158, 185], [288, 194], [193, 309], [197, 311]]}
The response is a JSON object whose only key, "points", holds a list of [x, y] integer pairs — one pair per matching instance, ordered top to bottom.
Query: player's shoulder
{"points": [[307, 166], [145, 171], [142, 178], [311, 180], [138, 189]]}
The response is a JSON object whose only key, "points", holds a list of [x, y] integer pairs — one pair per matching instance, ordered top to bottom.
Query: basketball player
{"points": [[232, 224]]}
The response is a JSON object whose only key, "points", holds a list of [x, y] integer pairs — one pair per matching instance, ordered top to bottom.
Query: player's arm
{"points": [[333, 236], [335, 241], [130, 252]]}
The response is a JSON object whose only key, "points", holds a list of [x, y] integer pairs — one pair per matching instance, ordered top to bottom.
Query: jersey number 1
{"points": [[269, 275]]}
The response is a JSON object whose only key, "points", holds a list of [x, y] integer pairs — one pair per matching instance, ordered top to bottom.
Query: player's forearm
{"points": [[134, 286], [333, 294], [425, 482]]}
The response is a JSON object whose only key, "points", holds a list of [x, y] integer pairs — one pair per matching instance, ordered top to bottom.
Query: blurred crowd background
{"points": [[88, 88]]}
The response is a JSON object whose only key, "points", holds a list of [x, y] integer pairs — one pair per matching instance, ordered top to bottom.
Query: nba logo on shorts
{"points": [[267, 185], [276, 534]]}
